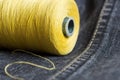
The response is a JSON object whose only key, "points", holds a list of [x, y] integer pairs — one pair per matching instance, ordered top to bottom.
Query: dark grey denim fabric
{"points": [[95, 57], [104, 64]]}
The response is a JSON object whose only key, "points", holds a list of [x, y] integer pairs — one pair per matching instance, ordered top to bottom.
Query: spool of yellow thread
{"points": [[44, 25]]}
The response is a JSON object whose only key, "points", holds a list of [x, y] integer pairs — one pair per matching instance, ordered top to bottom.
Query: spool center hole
{"points": [[68, 26], [71, 26]]}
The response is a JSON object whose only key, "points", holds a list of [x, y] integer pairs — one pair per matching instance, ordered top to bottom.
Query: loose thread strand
{"points": [[28, 63]]}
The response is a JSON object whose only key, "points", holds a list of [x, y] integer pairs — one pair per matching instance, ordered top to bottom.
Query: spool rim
{"points": [[68, 26]]}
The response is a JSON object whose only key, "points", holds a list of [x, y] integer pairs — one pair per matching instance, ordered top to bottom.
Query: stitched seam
{"points": [[91, 48]]}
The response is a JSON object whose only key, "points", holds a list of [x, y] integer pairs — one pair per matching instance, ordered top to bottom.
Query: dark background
{"points": [[95, 57]]}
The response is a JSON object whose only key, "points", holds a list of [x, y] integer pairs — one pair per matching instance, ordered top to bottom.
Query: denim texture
{"points": [[95, 56]]}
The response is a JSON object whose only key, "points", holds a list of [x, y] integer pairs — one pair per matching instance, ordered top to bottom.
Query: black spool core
{"points": [[68, 26]]}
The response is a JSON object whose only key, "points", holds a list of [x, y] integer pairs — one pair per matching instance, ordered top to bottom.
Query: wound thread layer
{"points": [[38, 25]]}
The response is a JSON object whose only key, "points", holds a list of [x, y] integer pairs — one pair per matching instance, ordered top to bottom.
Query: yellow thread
{"points": [[40, 25], [29, 63]]}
